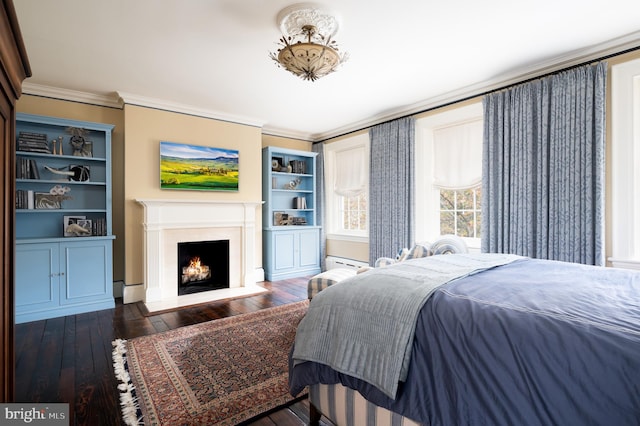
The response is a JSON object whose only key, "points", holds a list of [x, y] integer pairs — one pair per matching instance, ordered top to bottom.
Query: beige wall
{"points": [[84, 112], [144, 129]]}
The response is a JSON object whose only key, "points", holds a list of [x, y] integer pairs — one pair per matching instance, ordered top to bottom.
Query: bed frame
{"points": [[346, 407]]}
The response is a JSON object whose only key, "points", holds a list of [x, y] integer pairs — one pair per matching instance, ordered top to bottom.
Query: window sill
{"points": [[344, 237]]}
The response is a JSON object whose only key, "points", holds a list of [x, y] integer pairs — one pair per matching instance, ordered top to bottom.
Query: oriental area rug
{"points": [[221, 372]]}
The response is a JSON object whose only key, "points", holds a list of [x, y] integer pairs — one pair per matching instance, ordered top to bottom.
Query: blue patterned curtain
{"points": [[543, 168], [391, 187], [320, 202]]}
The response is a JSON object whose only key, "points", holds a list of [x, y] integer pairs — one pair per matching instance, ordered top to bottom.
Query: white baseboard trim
{"points": [[132, 293]]}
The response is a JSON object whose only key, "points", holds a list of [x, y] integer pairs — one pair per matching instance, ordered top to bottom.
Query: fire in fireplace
{"points": [[203, 266]]}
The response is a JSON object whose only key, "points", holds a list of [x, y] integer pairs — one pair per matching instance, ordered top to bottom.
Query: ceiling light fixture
{"points": [[306, 48]]}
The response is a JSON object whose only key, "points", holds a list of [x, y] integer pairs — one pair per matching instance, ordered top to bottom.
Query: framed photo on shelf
{"points": [[276, 163], [280, 219], [87, 225], [69, 230]]}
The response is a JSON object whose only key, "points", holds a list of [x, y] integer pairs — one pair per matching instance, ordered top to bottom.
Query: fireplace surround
{"points": [[169, 222]]}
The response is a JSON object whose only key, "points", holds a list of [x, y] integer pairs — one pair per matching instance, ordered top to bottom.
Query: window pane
{"points": [[447, 200], [464, 200], [447, 223], [465, 224]]}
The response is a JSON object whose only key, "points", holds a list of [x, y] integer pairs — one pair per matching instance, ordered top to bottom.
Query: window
{"points": [[625, 156], [449, 174], [347, 191], [460, 212]]}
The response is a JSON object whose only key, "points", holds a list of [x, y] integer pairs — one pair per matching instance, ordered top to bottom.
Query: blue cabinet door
{"points": [[309, 248], [284, 254], [87, 276], [37, 277]]}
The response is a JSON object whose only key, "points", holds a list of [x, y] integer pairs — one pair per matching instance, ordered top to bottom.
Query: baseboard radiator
{"points": [[334, 262]]}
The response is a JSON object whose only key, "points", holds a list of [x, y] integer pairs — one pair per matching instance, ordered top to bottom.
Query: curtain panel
{"points": [[543, 167], [391, 187], [320, 202]]}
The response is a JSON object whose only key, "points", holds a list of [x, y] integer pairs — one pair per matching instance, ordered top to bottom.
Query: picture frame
{"points": [[198, 168], [46, 201], [280, 219], [69, 220], [87, 225]]}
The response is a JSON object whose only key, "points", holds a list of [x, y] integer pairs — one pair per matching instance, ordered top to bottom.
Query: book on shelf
{"points": [[298, 166], [27, 168], [25, 199], [299, 203], [99, 227]]}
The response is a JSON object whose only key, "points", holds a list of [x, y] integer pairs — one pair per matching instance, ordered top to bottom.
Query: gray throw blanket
{"points": [[364, 326]]}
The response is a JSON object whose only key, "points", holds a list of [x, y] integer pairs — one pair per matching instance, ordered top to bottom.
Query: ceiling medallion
{"points": [[306, 48]]}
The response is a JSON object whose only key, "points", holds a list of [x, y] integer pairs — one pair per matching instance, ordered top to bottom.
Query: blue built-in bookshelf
{"points": [[63, 217], [291, 235]]}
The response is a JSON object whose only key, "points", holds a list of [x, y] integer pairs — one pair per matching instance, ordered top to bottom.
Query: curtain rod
{"points": [[466, 98]]}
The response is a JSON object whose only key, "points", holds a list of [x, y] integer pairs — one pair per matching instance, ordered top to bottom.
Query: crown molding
{"points": [[133, 99], [107, 100], [288, 133]]}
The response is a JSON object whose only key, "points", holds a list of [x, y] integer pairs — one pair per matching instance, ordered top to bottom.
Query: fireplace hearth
{"points": [[202, 266]]}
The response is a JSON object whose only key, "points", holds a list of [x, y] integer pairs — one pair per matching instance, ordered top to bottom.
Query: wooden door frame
{"points": [[14, 68]]}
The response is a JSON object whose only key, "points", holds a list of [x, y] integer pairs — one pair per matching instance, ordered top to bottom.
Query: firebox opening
{"points": [[203, 266]]}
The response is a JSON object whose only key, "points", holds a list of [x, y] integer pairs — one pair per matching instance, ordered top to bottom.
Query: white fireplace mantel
{"points": [[169, 222]]}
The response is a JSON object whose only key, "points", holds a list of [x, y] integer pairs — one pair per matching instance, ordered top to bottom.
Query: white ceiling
{"points": [[210, 57]]}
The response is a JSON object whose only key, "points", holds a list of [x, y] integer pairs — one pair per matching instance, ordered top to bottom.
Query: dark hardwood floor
{"points": [[68, 359]]}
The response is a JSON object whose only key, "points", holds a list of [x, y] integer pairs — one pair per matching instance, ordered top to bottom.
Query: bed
{"points": [[474, 339]]}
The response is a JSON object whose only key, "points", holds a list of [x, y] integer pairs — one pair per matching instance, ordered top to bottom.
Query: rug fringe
{"points": [[131, 412]]}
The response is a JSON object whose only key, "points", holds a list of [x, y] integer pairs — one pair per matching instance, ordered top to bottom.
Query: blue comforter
{"points": [[533, 342]]}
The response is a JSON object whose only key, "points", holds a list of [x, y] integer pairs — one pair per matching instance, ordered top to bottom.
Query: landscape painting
{"points": [[198, 168]]}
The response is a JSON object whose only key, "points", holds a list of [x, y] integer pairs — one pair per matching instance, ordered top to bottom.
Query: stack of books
{"points": [[33, 142], [298, 220]]}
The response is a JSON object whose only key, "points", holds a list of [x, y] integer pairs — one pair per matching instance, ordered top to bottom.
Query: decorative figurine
{"points": [[79, 142]]}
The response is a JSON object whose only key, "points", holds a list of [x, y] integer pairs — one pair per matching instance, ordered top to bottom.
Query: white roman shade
{"points": [[458, 155], [350, 173]]}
